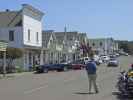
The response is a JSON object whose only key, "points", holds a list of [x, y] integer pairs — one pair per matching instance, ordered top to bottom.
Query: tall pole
{"points": [[65, 44], [4, 67]]}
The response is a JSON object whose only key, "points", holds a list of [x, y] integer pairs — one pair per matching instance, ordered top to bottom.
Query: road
{"points": [[71, 85]]}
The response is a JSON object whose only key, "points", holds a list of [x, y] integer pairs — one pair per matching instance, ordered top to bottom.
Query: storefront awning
{"points": [[3, 46]]}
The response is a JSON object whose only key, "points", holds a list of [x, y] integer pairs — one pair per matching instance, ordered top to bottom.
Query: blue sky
{"points": [[98, 18]]}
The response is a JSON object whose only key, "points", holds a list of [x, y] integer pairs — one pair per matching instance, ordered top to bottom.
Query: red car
{"points": [[78, 66]]}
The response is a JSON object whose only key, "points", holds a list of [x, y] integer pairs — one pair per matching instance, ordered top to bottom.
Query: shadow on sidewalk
{"points": [[84, 93]]}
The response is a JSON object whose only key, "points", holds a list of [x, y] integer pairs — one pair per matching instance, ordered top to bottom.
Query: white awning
{"points": [[3, 46]]}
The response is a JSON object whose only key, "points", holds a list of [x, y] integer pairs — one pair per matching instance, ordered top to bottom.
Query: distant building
{"points": [[23, 29], [103, 45], [62, 46], [52, 49]]}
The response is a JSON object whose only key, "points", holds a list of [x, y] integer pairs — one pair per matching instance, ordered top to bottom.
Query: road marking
{"points": [[36, 89]]}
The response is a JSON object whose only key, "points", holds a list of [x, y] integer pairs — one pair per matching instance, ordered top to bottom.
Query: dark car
{"points": [[50, 67]]}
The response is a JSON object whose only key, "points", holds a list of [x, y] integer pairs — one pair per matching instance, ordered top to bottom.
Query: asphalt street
{"points": [[71, 85]]}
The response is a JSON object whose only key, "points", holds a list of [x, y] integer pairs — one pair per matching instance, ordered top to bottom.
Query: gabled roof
{"points": [[27, 6], [7, 18], [14, 18], [46, 35], [71, 35], [60, 36], [65, 36]]}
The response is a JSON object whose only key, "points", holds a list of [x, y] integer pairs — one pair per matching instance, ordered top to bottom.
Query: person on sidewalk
{"points": [[92, 75]]}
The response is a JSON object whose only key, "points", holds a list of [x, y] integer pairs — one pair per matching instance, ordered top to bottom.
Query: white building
{"points": [[23, 29], [71, 43], [104, 45], [52, 49]]}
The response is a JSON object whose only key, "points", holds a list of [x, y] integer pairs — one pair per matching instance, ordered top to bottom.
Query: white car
{"points": [[117, 54], [126, 54], [105, 58], [85, 59], [100, 61], [113, 62]]}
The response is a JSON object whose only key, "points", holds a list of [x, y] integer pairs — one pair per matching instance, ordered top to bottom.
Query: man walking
{"points": [[91, 72]]}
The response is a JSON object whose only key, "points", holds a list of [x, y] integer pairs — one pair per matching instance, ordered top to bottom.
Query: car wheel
{"points": [[45, 70]]}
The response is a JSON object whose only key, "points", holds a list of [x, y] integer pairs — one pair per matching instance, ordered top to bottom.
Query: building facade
{"points": [[23, 29], [103, 46], [59, 47], [52, 50]]}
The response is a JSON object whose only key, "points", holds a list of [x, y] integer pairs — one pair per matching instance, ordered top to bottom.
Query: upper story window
{"points": [[28, 34], [11, 35], [37, 38], [51, 41]]}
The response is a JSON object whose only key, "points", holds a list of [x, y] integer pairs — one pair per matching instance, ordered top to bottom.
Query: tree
{"points": [[124, 45], [127, 46], [130, 47], [12, 54]]}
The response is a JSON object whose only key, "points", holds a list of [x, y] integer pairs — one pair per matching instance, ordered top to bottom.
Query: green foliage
{"points": [[127, 46], [14, 53], [11, 55], [19, 70]]}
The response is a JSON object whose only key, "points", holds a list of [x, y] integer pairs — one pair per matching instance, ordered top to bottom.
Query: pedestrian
{"points": [[92, 75]]}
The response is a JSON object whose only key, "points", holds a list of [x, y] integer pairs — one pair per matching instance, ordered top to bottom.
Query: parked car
{"points": [[117, 54], [126, 54], [112, 56], [105, 58], [85, 59], [99, 61], [113, 62], [78, 66], [49, 67]]}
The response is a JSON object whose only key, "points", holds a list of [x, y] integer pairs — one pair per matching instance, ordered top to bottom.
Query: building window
{"points": [[28, 34], [11, 35], [37, 39], [50, 41], [93, 44]]}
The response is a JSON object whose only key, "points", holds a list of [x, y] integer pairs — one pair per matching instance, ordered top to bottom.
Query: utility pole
{"points": [[4, 66]]}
